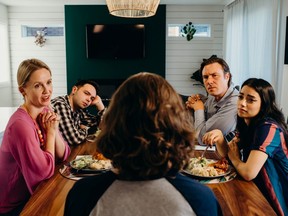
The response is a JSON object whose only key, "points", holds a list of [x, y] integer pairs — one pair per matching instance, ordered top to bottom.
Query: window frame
{"points": [[196, 36], [5, 78]]}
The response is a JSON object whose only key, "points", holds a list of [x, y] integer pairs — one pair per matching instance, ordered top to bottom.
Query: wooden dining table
{"points": [[236, 197]]}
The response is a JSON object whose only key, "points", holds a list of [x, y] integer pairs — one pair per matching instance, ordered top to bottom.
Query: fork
{"points": [[202, 155]]}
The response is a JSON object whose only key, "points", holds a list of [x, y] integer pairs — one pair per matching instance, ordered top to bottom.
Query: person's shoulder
{"points": [[233, 91], [231, 96], [59, 99], [20, 116], [21, 123], [268, 123], [264, 127], [94, 182], [185, 183], [96, 185], [89, 189], [201, 197]]}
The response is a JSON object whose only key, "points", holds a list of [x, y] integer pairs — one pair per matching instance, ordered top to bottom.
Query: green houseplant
{"points": [[188, 31]]}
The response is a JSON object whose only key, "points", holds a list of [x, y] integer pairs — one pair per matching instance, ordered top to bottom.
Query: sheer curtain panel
{"points": [[251, 40]]}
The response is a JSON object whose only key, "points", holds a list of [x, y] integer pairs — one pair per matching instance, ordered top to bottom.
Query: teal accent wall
{"points": [[80, 67]]}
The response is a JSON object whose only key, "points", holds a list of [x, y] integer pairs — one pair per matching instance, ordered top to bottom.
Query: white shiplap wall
{"points": [[52, 53], [184, 57], [5, 86]]}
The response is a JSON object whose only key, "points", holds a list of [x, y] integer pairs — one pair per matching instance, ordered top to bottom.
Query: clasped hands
{"points": [[194, 102], [49, 120]]}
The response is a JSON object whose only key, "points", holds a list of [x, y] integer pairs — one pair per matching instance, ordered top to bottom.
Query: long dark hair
{"points": [[268, 109], [146, 130]]}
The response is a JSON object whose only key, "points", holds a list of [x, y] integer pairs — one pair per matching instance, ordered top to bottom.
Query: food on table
{"points": [[99, 156], [95, 162], [100, 164], [221, 166], [206, 167]]}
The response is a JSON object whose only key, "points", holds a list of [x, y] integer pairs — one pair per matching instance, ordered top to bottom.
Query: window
{"points": [[202, 30], [31, 31], [4, 53]]}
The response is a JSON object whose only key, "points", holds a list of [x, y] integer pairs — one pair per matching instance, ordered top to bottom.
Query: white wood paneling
{"points": [[52, 53], [184, 57], [5, 85]]}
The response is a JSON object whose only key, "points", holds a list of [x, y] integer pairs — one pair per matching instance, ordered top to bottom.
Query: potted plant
{"points": [[188, 31]]}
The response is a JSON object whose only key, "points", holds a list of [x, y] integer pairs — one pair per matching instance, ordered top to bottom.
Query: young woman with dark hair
{"points": [[262, 141]]}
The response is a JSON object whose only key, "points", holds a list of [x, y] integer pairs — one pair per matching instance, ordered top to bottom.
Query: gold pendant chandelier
{"points": [[132, 8]]}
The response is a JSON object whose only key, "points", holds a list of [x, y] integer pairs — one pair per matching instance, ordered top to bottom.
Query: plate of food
{"points": [[90, 164], [207, 168]]}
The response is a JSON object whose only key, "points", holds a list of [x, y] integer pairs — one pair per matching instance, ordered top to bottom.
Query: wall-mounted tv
{"points": [[115, 41]]}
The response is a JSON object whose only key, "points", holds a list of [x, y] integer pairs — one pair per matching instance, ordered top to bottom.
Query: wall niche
{"points": [[77, 17]]}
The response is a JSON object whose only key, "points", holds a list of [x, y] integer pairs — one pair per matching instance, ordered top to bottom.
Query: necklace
{"points": [[38, 130]]}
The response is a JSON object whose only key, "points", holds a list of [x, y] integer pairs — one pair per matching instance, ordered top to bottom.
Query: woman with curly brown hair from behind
{"points": [[148, 135]]}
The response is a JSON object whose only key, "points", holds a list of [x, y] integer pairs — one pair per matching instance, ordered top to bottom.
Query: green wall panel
{"points": [[80, 67]]}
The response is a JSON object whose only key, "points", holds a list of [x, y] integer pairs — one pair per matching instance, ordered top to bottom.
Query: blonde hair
{"points": [[26, 68]]}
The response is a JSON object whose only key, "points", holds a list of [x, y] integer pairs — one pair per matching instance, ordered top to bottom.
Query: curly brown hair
{"points": [[146, 130]]}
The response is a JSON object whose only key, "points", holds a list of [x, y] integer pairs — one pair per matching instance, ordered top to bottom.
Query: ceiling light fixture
{"points": [[132, 8]]}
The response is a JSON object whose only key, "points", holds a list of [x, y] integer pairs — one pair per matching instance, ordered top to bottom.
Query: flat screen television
{"points": [[115, 41]]}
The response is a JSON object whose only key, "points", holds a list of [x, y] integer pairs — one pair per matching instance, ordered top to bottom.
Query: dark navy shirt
{"points": [[85, 194]]}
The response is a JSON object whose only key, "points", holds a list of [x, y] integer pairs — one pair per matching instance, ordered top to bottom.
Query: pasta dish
{"points": [[207, 167]]}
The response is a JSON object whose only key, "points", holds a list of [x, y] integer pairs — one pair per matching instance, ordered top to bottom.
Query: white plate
{"points": [[87, 160], [186, 171], [208, 177]]}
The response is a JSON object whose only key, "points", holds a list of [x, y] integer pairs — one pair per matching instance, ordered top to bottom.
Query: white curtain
{"points": [[251, 40]]}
